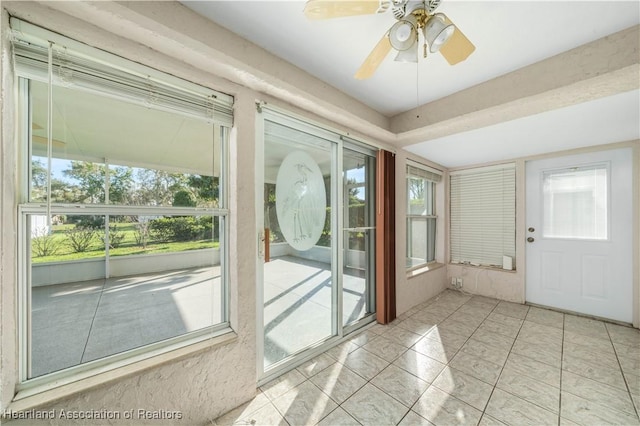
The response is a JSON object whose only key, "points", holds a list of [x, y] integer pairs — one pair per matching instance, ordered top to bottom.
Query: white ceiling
{"points": [[508, 35], [611, 119]]}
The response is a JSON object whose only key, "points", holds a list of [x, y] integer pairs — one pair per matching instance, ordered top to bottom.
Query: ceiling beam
{"points": [[601, 68]]}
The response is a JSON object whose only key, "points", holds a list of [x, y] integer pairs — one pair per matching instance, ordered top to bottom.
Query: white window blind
{"points": [[99, 72], [423, 173], [483, 210]]}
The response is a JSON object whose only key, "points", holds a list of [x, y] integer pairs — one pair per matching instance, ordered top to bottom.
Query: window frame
{"points": [[430, 212], [551, 234], [148, 354]]}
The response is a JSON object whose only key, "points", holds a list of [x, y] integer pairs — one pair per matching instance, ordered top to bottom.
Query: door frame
{"points": [[303, 124], [521, 224]]}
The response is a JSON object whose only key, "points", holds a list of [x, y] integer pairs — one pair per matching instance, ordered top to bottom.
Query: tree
{"points": [[38, 174], [38, 180], [91, 181], [120, 184], [156, 187], [206, 188], [416, 189], [61, 191], [65, 192], [183, 198]]}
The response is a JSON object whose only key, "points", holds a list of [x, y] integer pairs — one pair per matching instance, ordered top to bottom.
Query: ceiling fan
{"points": [[439, 34]]}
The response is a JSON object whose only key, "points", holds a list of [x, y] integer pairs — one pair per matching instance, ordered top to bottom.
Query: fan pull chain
{"points": [[417, 88]]}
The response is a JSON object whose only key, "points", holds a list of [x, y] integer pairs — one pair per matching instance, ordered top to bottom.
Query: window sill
{"points": [[488, 268], [419, 270], [36, 396]]}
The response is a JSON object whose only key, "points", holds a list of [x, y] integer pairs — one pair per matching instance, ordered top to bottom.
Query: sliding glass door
{"points": [[317, 241], [358, 261], [299, 274]]}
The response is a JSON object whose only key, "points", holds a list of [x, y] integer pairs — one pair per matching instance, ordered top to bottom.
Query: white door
{"points": [[579, 233]]}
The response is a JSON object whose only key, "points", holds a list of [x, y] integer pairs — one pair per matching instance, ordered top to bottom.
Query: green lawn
{"points": [[127, 246]]}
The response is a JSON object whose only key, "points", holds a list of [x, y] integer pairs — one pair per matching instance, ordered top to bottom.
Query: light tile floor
{"points": [[458, 359]]}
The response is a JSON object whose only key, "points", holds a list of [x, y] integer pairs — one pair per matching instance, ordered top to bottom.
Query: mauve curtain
{"points": [[386, 238]]}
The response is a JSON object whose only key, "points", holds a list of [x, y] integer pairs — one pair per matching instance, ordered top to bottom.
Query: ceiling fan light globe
{"points": [[437, 32], [403, 34], [408, 55]]}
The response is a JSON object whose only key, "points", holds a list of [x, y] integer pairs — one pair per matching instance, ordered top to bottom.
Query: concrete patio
{"points": [[298, 304], [79, 322], [75, 323]]}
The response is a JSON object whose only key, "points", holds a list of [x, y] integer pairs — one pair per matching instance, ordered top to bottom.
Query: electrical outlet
{"points": [[453, 282], [458, 282]]}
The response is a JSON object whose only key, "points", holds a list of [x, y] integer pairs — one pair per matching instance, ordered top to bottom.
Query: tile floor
{"points": [[458, 359]]}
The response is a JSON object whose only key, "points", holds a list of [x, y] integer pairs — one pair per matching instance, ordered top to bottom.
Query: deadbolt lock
{"points": [[531, 229], [530, 239]]}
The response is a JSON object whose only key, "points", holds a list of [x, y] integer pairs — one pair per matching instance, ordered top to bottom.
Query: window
{"points": [[575, 203], [483, 206], [123, 212], [421, 215]]}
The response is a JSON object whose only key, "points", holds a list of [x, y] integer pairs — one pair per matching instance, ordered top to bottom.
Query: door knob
{"points": [[530, 239]]}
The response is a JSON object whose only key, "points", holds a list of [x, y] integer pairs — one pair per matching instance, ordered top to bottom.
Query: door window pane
{"points": [[575, 203]]}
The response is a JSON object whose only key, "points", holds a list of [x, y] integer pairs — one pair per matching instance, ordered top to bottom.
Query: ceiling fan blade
{"points": [[325, 9], [458, 48], [375, 58]]}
